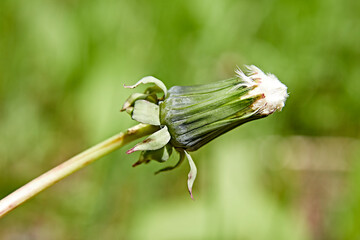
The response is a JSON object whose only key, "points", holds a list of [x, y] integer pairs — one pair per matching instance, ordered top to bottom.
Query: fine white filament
{"points": [[274, 92]]}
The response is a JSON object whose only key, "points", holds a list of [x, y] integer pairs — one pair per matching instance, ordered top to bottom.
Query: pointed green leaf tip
{"points": [[191, 116]]}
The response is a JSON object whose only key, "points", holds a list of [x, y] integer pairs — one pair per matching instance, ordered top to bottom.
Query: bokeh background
{"points": [[294, 175]]}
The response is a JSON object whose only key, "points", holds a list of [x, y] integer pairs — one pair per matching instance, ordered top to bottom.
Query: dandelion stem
{"points": [[72, 165]]}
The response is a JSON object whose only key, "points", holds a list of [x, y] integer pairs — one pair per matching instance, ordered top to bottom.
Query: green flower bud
{"points": [[196, 115], [191, 116]]}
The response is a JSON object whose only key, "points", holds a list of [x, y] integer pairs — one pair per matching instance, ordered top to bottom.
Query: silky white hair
{"points": [[274, 92]]}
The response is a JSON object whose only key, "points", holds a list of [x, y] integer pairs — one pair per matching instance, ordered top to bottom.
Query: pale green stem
{"points": [[72, 165]]}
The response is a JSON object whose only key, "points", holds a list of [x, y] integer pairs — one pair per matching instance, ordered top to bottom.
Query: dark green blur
{"points": [[293, 175]]}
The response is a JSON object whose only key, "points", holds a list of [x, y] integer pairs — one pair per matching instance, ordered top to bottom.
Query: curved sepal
{"points": [[150, 79], [129, 103], [146, 112], [155, 141], [160, 155], [181, 159], [192, 173]]}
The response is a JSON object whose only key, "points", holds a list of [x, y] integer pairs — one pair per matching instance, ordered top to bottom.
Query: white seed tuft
{"points": [[274, 92]]}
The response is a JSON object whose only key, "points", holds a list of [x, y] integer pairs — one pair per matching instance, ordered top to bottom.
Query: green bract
{"points": [[196, 115], [190, 116]]}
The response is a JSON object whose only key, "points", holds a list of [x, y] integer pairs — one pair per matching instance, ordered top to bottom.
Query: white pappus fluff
{"points": [[275, 92]]}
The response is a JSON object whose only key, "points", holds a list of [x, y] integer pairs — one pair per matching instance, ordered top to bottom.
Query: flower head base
{"points": [[190, 116]]}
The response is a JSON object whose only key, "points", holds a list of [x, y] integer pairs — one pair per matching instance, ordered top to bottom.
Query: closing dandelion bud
{"points": [[196, 115], [190, 116]]}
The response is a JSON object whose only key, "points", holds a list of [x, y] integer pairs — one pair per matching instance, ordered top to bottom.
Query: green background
{"points": [[293, 175]]}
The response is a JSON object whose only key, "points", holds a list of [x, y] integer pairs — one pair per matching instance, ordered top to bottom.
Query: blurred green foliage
{"points": [[62, 67]]}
